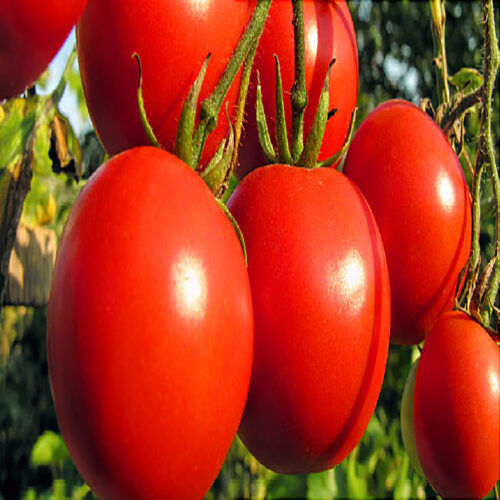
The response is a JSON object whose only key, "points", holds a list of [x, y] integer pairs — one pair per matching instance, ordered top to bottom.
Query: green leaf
{"points": [[466, 77], [15, 128], [49, 449], [322, 485], [283, 486], [80, 492]]}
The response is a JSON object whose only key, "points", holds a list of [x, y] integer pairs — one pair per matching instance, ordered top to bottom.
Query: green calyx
{"points": [[192, 133], [297, 153]]}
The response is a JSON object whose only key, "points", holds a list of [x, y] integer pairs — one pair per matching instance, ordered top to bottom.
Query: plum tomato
{"points": [[31, 33], [329, 34], [172, 39], [415, 186], [320, 291], [150, 330], [455, 408]]}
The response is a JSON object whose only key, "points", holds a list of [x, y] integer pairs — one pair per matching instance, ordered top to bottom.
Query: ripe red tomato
{"points": [[31, 33], [329, 33], [172, 38], [415, 186], [320, 291], [150, 330], [456, 404]]}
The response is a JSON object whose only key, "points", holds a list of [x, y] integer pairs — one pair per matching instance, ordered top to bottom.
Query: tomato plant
{"points": [[31, 33], [329, 34], [172, 39], [415, 186], [320, 293], [150, 330], [456, 404]]}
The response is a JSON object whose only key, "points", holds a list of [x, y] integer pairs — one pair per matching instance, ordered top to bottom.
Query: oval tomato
{"points": [[31, 33], [329, 33], [172, 39], [415, 186], [320, 291], [150, 330], [456, 404], [407, 427]]}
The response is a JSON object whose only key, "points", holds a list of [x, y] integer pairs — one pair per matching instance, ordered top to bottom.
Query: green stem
{"points": [[438, 36], [61, 86], [298, 94], [459, 108], [209, 109], [240, 111], [486, 146], [474, 261]]}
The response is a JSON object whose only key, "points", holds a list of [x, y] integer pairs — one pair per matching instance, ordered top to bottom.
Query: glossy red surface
{"points": [[31, 33], [329, 33], [172, 39], [415, 186], [320, 292], [150, 330], [456, 408]]}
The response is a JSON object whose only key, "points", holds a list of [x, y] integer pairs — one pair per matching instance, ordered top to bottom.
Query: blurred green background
{"points": [[395, 60]]}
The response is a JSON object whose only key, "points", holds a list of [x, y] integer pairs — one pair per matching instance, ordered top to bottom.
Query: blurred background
{"points": [[395, 59]]}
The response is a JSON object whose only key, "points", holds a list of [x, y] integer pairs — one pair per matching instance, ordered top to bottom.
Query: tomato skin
{"points": [[31, 33], [329, 33], [172, 39], [417, 191], [321, 302], [150, 330], [456, 404]]}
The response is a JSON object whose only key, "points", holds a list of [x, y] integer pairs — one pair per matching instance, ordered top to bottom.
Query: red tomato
{"points": [[31, 33], [329, 33], [172, 38], [415, 186], [320, 291], [150, 330], [456, 405]]}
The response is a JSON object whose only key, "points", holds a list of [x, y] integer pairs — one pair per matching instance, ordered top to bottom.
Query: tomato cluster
{"points": [[163, 342]]}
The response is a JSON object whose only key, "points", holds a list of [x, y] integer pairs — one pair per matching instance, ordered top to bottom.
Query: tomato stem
{"points": [[438, 36], [61, 85], [298, 93], [210, 107], [240, 113], [486, 152], [476, 298]]}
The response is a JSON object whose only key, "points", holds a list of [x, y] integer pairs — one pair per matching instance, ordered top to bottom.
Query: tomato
{"points": [[31, 33], [329, 33], [172, 39], [415, 186], [320, 291], [150, 330], [456, 404], [407, 427]]}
